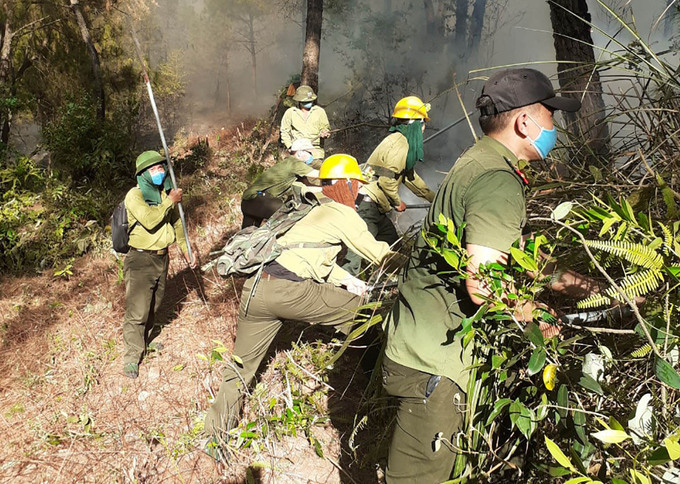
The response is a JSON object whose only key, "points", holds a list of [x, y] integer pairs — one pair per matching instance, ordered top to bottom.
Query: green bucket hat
{"points": [[304, 94], [147, 159]]}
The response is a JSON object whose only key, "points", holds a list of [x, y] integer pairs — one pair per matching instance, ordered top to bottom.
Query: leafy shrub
{"points": [[84, 148], [43, 220]]}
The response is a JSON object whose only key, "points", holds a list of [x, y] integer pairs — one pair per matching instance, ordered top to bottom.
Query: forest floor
{"points": [[67, 412]]}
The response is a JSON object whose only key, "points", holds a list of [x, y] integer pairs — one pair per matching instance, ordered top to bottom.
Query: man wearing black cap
{"points": [[425, 365]]}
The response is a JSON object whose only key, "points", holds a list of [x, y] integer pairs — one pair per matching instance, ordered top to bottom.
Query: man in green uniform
{"points": [[307, 120], [393, 162], [273, 186], [153, 215], [303, 284], [425, 366]]}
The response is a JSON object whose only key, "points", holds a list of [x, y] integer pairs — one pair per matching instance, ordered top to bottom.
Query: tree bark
{"points": [[430, 25], [476, 25], [460, 27], [434, 28], [574, 43], [253, 50], [310, 56], [94, 58], [6, 74]]}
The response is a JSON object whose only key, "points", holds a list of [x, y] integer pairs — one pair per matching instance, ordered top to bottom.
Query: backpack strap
{"points": [[386, 172], [130, 227], [308, 245], [258, 276]]}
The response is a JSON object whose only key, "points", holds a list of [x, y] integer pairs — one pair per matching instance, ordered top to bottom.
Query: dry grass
{"points": [[68, 414]]}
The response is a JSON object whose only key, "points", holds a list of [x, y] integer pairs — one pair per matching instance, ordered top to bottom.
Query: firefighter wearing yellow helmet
{"points": [[393, 163], [304, 283]]}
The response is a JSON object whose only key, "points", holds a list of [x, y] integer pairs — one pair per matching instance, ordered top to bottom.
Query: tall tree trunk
{"points": [[430, 23], [476, 26], [434, 28], [460, 28], [573, 43], [253, 51], [310, 56], [94, 58], [225, 66], [6, 74]]}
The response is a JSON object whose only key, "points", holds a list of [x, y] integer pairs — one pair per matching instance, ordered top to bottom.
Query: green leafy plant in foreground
{"points": [[523, 385]]}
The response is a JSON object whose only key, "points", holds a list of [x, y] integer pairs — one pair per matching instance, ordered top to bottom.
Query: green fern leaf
{"points": [[667, 238], [637, 254], [636, 285], [633, 286], [594, 301], [642, 352]]}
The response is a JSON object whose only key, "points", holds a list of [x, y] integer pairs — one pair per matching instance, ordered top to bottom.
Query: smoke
{"points": [[373, 52]]}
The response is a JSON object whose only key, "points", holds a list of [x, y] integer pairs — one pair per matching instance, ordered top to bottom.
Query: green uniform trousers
{"points": [[379, 225], [145, 276], [274, 300], [427, 406]]}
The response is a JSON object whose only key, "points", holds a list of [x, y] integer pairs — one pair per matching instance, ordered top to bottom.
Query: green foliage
{"points": [[84, 148], [44, 221], [59, 235], [216, 354], [508, 402], [294, 411]]}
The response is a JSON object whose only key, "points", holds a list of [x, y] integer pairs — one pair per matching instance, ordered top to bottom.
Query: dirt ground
{"points": [[68, 414]]}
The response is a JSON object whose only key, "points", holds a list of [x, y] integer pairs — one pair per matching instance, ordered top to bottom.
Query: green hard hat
{"points": [[304, 94], [146, 159]]}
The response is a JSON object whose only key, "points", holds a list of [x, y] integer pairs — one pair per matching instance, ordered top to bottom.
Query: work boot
{"points": [[131, 370], [214, 450]]}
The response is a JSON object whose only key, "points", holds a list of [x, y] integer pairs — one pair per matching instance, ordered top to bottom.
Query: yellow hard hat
{"points": [[411, 107], [341, 167]]}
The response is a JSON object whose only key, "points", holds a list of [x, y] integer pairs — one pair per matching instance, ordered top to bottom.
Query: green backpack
{"points": [[250, 249]]}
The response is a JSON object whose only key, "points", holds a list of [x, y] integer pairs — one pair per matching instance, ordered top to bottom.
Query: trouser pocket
{"points": [[404, 382]]}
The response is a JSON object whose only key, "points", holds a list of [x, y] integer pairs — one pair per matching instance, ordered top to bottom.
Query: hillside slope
{"points": [[68, 414]]}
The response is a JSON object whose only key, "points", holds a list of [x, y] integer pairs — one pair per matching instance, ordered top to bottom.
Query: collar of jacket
{"points": [[508, 156]]}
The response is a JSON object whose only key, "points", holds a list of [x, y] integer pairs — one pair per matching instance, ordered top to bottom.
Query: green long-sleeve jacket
{"points": [[295, 126], [391, 154], [278, 180], [330, 223], [155, 227]]}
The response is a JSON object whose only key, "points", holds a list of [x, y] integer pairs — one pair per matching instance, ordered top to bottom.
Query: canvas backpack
{"points": [[120, 229], [250, 249]]}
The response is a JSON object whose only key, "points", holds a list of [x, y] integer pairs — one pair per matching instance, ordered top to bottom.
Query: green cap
{"points": [[304, 94], [147, 159]]}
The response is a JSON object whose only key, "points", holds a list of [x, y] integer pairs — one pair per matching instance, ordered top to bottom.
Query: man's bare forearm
{"points": [[573, 284]]}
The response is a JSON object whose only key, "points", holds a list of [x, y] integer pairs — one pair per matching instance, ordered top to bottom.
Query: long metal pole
{"points": [[446, 128], [160, 131]]}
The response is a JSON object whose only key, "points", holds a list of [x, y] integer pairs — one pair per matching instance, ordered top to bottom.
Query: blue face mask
{"points": [[308, 105], [545, 141], [309, 160], [157, 178]]}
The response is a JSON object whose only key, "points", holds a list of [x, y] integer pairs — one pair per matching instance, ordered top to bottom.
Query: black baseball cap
{"points": [[515, 88]]}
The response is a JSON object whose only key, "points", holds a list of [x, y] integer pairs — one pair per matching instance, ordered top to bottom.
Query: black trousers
{"points": [[258, 209]]}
